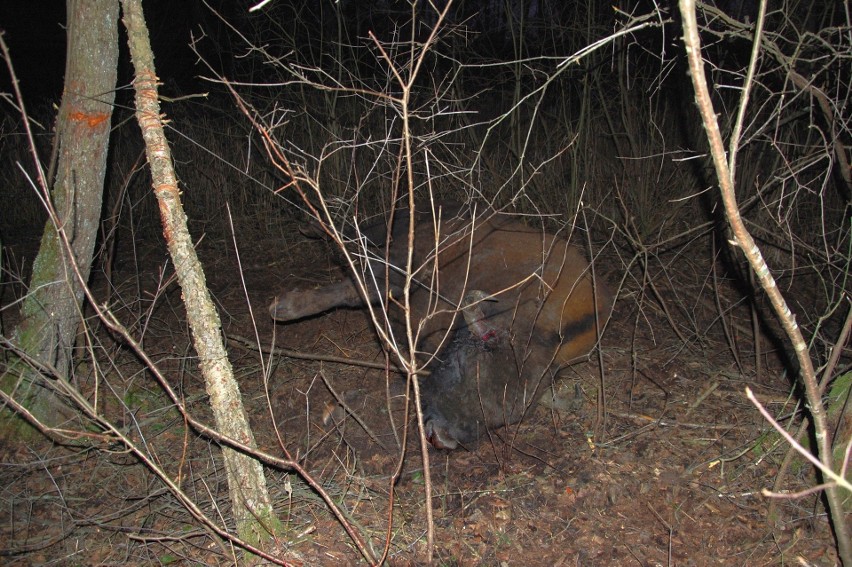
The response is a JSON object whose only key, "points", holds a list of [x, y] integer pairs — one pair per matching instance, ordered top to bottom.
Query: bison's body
{"points": [[542, 313]]}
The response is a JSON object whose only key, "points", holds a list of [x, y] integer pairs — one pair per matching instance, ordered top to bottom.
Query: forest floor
{"points": [[673, 475]]}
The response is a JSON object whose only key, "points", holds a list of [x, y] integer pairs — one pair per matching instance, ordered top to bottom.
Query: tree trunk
{"points": [[51, 311], [252, 508]]}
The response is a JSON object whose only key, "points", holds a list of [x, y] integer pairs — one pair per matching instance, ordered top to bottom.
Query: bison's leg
{"points": [[298, 303]]}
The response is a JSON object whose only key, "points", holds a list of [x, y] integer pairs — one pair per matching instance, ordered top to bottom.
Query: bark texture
{"points": [[51, 312], [252, 508]]}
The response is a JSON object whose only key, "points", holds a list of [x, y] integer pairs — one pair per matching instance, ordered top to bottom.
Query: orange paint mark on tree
{"points": [[91, 120]]}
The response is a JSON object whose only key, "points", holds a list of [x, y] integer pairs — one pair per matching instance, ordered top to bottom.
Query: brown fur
{"points": [[543, 304]]}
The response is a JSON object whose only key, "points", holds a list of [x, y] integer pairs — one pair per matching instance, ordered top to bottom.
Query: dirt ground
{"points": [[666, 468]]}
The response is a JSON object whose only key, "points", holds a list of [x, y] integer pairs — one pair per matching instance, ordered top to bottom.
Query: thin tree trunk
{"points": [[744, 241], [51, 311], [252, 508]]}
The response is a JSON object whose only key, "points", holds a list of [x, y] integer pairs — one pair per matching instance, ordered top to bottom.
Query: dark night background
{"points": [[35, 31], [35, 34], [608, 151]]}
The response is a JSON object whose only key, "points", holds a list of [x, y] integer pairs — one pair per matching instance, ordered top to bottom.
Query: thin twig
{"points": [[744, 241], [243, 342], [340, 399]]}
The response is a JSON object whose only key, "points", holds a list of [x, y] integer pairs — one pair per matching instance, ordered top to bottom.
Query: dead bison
{"points": [[528, 302]]}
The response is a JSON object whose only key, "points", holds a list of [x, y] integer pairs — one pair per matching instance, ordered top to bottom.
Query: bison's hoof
{"points": [[285, 308], [440, 437]]}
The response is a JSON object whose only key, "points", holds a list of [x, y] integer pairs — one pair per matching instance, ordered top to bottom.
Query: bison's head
{"points": [[467, 392]]}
